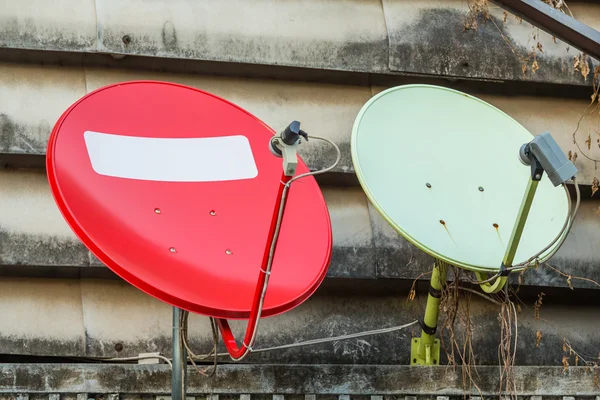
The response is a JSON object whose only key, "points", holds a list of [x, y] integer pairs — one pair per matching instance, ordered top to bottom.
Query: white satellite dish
{"points": [[442, 167], [458, 179]]}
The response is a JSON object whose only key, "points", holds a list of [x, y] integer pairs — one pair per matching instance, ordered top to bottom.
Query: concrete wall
{"points": [[369, 36], [318, 62], [32, 98], [109, 318]]}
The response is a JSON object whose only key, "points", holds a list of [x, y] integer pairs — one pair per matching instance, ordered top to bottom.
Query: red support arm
{"points": [[230, 343]]}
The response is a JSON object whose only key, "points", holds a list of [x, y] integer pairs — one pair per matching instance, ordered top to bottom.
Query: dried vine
{"points": [[479, 12]]}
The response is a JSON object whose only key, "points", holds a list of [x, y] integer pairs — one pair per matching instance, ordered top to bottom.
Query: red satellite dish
{"points": [[175, 189]]}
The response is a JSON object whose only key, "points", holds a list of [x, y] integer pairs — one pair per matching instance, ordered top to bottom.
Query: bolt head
{"points": [[537, 176], [428, 185], [481, 188], [157, 210], [213, 212], [173, 250], [228, 252]]}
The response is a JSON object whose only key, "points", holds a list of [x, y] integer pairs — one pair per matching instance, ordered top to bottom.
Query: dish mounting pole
{"points": [[426, 350], [179, 373]]}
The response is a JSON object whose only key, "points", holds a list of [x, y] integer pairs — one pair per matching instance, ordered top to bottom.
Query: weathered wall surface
{"points": [[368, 36], [430, 37], [33, 98], [35, 238], [109, 318], [294, 382]]}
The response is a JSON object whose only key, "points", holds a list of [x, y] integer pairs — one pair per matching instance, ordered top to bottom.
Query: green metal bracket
{"points": [[515, 237], [491, 287], [426, 350], [432, 352]]}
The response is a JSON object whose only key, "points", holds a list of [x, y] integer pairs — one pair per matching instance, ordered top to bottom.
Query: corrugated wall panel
{"points": [[33, 98], [109, 318]]}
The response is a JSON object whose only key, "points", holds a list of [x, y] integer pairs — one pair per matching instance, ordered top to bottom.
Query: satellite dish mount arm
{"points": [[282, 145], [541, 154]]}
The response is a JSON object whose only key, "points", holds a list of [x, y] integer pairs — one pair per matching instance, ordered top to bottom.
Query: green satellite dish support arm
{"points": [[541, 154], [515, 237]]}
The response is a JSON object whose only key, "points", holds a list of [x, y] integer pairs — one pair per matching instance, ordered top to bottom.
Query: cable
{"points": [[322, 171], [577, 203], [564, 230], [561, 237], [267, 271], [183, 322], [336, 338], [330, 339], [165, 359]]}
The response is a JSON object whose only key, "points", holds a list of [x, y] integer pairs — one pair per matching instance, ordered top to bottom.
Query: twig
{"points": [[572, 276]]}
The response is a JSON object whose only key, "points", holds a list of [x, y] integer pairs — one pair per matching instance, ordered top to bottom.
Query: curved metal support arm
{"points": [[515, 237], [488, 287], [238, 353]]}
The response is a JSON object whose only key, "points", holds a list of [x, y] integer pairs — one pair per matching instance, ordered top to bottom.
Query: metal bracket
{"points": [[490, 288], [432, 353]]}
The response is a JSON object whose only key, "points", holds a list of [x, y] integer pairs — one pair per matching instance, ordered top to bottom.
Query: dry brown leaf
{"points": [[505, 16], [554, 39], [539, 46], [581, 64], [535, 66], [524, 68], [585, 69], [588, 142], [570, 155], [574, 156], [595, 186], [570, 282], [412, 294], [537, 305], [519, 306], [538, 338], [564, 345], [576, 359], [565, 363]]}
